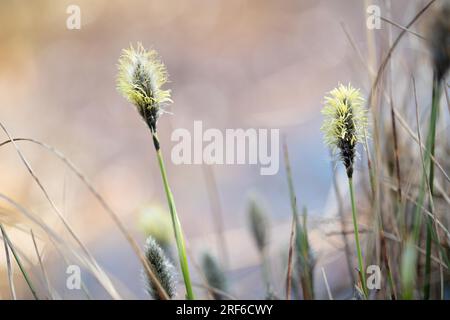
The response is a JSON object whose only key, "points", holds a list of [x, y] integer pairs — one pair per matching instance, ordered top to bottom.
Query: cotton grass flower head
{"points": [[140, 80], [345, 123], [345, 126], [259, 224], [162, 267], [214, 275]]}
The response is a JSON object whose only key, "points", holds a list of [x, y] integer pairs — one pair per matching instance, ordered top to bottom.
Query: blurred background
{"points": [[232, 64]]}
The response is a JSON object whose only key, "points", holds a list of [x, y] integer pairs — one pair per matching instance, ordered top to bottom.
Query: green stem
{"points": [[432, 141], [427, 162], [175, 222], [19, 263], [362, 271]]}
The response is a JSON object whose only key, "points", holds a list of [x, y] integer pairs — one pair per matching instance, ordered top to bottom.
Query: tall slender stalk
{"points": [[438, 39], [140, 80], [345, 125], [430, 153], [428, 178], [356, 231], [179, 238], [347, 250], [290, 256]]}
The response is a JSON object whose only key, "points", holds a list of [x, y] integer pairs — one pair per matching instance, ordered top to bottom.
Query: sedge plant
{"points": [[438, 43], [439, 46], [141, 78], [345, 126], [304, 259]]}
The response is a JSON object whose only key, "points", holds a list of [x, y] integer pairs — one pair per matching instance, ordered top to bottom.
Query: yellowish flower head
{"points": [[140, 80], [345, 116], [345, 122], [155, 221]]}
